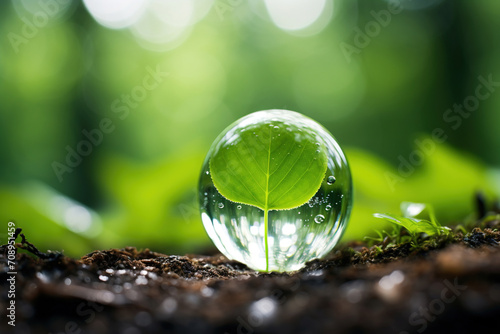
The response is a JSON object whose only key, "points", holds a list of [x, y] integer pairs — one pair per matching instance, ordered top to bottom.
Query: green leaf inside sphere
{"points": [[271, 165]]}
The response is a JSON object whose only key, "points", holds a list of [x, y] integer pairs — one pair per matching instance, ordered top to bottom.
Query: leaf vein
{"points": [[253, 157], [282, 161], [290, 169], [298, 180], [244, 185]]}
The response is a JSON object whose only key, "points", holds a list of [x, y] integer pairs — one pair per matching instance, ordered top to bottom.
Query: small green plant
{"points": [[416, 226], [386, 238]]}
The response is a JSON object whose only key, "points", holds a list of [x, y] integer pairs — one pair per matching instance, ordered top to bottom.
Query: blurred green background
{"points": [[141, 88]]}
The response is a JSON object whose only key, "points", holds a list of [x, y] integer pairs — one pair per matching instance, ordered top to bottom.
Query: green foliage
{"points": [[273, 166], [447, 180], [152, 205], [32, 207], [413, 225], [384, 237]]}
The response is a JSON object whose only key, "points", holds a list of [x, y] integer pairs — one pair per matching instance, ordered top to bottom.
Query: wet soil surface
{"points": [[447, 285]]}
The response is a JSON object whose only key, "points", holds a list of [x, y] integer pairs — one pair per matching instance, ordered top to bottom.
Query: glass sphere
{"points": [[294, 235]]}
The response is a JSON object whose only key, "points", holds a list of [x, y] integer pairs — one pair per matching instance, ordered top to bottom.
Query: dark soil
{"points": [[448, 284]]}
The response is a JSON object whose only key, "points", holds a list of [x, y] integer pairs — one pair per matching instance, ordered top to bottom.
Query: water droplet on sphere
{"points": [[319, 219], [238, 229]]}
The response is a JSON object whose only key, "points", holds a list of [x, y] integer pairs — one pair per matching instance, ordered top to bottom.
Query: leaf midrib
{"points": [[268, 172], [266, 210]]}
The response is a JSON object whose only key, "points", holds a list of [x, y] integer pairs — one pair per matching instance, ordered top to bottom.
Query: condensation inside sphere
{"points": [[295, 236]]}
